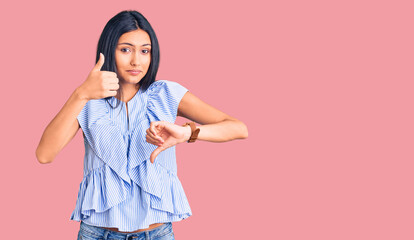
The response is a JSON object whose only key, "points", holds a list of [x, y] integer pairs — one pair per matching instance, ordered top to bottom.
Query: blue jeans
{"points": [[88, 232]]}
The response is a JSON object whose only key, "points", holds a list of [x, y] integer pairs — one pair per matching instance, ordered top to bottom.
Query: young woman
{"points": [[130, 187]]}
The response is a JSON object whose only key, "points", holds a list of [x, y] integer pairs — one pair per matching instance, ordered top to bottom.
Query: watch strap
{"points": [[194, 131]]}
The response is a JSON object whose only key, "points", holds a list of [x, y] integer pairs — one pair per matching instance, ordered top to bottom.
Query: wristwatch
{"points": [[194, 131]]}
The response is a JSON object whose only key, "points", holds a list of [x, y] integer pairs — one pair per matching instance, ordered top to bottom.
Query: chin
{"points": [[132, 80]]}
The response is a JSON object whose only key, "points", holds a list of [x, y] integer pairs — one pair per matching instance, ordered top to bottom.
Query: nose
{"points": [[135, 59]]}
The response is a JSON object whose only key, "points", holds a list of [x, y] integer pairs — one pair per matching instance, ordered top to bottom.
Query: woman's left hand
{"points": [[164, 135]]}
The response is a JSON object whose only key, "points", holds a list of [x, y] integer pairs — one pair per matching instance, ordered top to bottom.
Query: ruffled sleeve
{"points": [[164, 98], [162, 105], [92, 111], [103, 136], [158, 179], [104, 187]]}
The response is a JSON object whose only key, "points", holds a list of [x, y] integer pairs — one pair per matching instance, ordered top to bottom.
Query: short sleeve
{"points": [[164, 98], [91, 113], [83, 117]]}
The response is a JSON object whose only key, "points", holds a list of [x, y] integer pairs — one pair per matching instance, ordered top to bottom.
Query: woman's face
{"points": [[133, 56]]}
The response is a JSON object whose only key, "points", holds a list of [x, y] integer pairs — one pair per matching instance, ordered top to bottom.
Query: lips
{"points": [[134, 72]]}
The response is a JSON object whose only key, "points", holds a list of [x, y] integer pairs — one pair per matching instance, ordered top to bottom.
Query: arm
{"points": [[216, 125], [61, 129]]}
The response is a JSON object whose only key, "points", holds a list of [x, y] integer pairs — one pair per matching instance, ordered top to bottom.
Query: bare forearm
{"points": [[61, 129], [224, 131]]}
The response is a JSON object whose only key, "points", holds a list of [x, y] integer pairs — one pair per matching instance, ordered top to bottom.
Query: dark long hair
{"points": [[123, 22]]}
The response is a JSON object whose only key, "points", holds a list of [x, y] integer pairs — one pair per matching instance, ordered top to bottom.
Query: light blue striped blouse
{"points": [[121, 188]]}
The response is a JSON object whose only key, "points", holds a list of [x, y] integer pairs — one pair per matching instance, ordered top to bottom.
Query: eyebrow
{"points": [[146, 44]]}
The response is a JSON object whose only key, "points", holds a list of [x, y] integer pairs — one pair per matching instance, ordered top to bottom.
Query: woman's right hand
{"points": [[99, 84]]}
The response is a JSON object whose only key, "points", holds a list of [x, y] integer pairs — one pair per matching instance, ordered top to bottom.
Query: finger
{"points": [[100, 62], [110, 75], [112, 78], [113, 86], [112, 93], [153, 128], [156, 128], [149, 133], [156, 138], [153, 141], [150, 142], [155, 153]]}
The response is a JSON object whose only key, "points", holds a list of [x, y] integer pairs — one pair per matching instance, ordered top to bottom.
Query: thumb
{"points": [[100, 62], [155, 153]]}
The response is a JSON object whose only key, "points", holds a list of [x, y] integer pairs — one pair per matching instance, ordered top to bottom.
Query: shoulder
{"points": [[164, 84], [167, 88], [164, 97], [94, 105], [94, 108]]}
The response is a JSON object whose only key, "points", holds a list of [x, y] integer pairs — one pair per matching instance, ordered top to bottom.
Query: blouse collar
{"points": [[112, 100]]}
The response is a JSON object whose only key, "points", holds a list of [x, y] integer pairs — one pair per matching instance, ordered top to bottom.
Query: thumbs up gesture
{"points": [[99, 84]]}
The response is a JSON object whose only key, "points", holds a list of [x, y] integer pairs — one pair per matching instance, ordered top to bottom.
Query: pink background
{"points": [[325, 88]]}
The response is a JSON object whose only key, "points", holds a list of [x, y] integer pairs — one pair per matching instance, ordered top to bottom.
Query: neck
{"points": [[128, 91]]}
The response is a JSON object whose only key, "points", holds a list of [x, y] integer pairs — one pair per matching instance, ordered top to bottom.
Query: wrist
{"points": [[79, 93], [194, 131], [187, 133]]}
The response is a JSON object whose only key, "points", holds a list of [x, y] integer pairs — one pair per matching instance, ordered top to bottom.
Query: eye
{"points": [[125, 50], [145, 51]]}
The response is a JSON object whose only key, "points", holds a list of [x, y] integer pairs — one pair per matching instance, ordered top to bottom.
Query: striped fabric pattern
{"points": [[121, 188]]}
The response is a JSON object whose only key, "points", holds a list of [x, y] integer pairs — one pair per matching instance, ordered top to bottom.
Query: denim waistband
{"points": [[99, 231]]}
